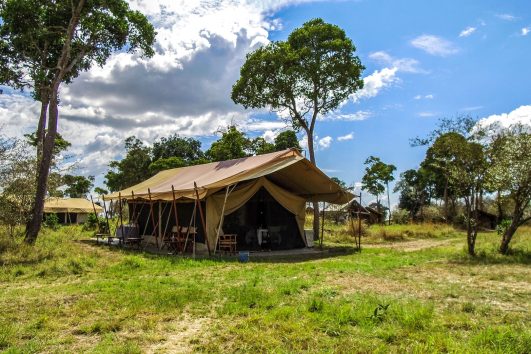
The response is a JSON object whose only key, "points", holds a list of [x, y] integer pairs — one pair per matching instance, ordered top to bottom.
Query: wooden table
{"points": [[134, 241]]}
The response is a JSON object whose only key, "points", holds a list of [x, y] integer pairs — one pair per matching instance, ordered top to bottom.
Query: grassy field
{"points": [[411, 289]]}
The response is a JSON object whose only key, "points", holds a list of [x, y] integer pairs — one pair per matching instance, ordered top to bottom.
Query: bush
{"points": [[432, 213], [400, 216], [51, 221], [95, 223]]}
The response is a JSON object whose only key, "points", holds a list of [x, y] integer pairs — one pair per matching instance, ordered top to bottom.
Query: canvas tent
{"points": [[285, 177], [70, 210]]}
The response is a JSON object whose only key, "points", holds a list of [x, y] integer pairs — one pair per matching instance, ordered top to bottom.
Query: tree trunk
{"points": [[41, 128], [446, 200], [315, 205], [499, 205], [34, 223], [469, 238], [506, 238]]}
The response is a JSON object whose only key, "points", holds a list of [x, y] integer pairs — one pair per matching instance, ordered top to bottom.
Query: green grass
{"points": [[68, 295]]}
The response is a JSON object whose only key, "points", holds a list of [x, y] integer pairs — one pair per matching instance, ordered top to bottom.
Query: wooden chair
{"points": [[227, 243]]}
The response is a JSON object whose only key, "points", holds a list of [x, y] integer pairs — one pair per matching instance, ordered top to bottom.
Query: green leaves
{"points": [[309, 74], [377, 174]]}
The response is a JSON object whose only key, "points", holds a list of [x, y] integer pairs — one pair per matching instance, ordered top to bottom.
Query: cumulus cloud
{"points": [[467, 31], [525, 31], [434, 45], [407, 65], [376, 82], [184, 89], [521, 115], [349, 117], [349, 136], [325, 142]]}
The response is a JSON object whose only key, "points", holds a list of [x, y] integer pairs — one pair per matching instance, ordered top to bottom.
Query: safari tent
{"points": [[241, 197], [70, 210]]}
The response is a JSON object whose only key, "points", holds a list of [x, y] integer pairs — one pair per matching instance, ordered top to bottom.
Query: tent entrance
{"points": [[262, 211]]}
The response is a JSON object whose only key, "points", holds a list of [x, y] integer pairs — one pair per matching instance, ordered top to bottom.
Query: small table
{"points": [[134, 241]]}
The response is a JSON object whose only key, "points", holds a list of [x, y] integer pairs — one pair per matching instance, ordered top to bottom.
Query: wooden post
{"points": [[228, 191], [174, 205], [106, 216], [152, 216], [202, 217], [121, 218], [132, 219], [98, 221], [359, 225], [322, 228]]}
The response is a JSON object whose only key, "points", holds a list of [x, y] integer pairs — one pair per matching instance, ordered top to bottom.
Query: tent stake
{"points": [[202, 217]]}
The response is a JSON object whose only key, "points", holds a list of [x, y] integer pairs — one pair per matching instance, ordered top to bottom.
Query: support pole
{"points": [[228, 191], [198, 201], [174, 205], [96, 214], [106, 216], [152, 216], [121, 218], [359, 225], [322, 227]]}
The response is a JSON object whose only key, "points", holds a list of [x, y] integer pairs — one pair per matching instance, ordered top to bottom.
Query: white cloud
{"points": [[506, 17], [467, 31], [525, 31], [434, 45], [407, 65], [376, 82], [426, 97], [471, 108], [427, 114], [521, 115], [349, 117], [349, 136], [325, 142]]}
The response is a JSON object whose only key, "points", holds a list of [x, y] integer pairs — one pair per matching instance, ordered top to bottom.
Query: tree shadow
{"points": [[515, 256]]}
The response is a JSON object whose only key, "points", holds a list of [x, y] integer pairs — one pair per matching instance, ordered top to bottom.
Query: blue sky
{"points": [[424, 60]]}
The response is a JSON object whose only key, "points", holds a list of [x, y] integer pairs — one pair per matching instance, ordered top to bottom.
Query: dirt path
{"points": [[410, 246], [178, 335]]}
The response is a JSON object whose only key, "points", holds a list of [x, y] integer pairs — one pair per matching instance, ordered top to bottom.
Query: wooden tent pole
{"points": [[228, 191], [198, 201], [174, 205], [132, 212], [96, 214], [106, 216], [152, 216], [121, 217], [359, 225], [322, 228]]}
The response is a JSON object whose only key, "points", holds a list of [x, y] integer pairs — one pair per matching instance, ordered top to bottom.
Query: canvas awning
{"points": [[287, 169], [70, 205]]}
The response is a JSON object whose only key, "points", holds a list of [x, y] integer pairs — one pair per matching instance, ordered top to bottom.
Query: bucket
{"points": [[243, 256]]}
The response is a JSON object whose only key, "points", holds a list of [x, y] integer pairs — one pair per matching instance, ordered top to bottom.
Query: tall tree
{"points": [[51, 42], [305, 77], [287, 140], [233, 144], [186, 149], [132, 169], [510, 172], [376, 179], [78, 186], [414, 191]]}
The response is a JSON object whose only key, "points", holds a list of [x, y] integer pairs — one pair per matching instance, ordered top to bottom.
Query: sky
{"points": [[423, 60]]}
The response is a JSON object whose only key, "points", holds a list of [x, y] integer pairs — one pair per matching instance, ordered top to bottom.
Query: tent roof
{"points": [[286, 168], [70, 205]]}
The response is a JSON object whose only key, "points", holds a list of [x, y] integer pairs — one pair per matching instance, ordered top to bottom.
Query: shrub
{"points": [[400, 216], [51, 221]]}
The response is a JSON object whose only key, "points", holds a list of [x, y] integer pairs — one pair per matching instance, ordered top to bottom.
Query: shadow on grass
{"points": [[515, 256], [265, 257]]}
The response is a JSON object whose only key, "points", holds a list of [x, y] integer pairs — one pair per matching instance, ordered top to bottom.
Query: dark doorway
{"points": [[262, 211]]}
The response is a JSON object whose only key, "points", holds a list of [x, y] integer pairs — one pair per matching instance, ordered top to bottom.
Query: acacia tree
{"points": [[50, 43], [307, 76], [510, 172], [376, 179]]}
